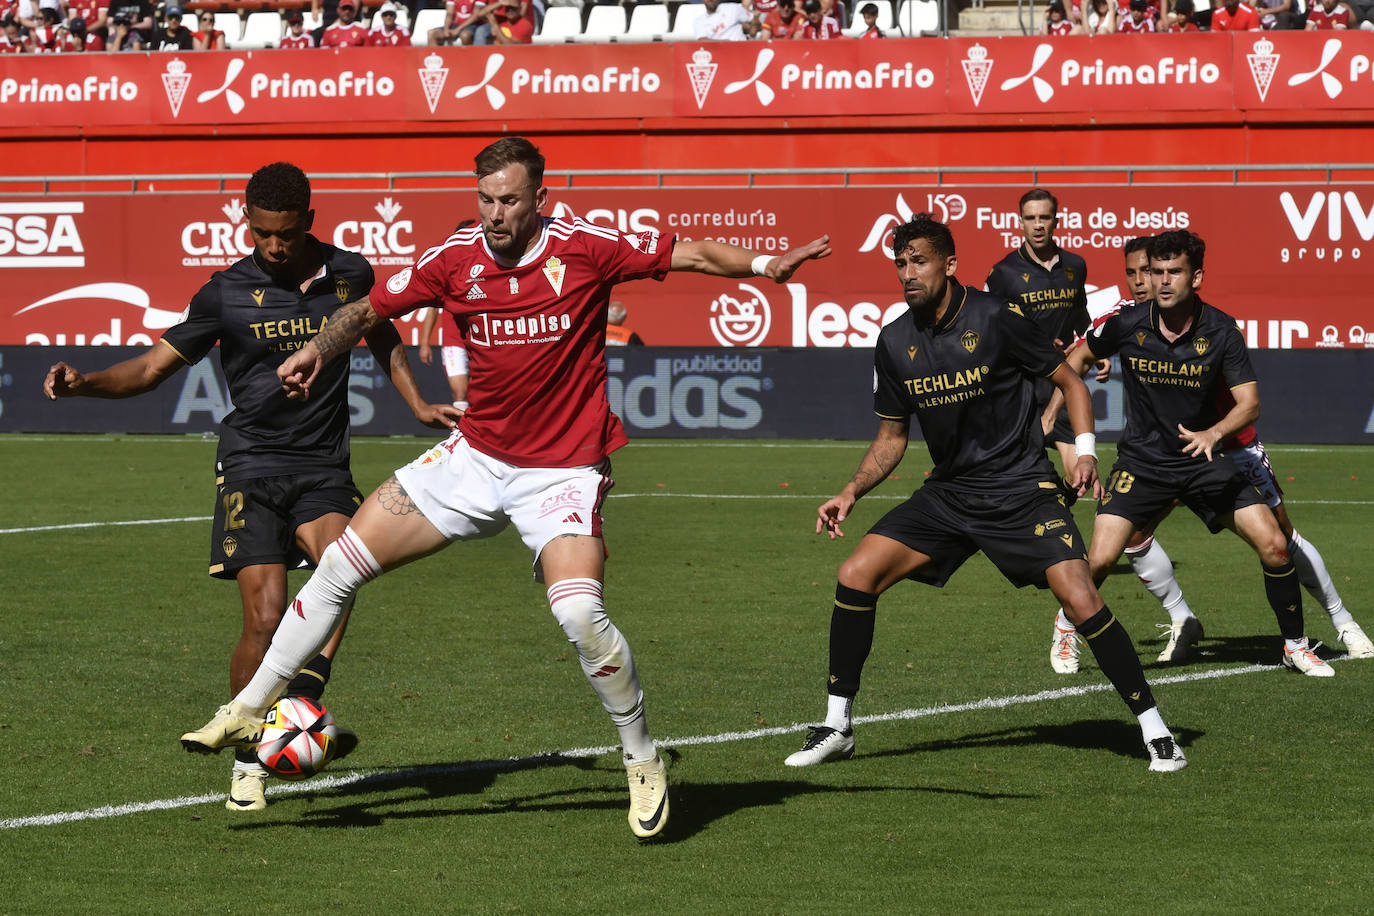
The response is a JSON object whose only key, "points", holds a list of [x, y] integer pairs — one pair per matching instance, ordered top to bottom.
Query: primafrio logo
{"points": [[433, 75], [607, 80], [1330, 84], [762, 90], [1043, 90], [945, 207], [41, 233], [743, 321]]}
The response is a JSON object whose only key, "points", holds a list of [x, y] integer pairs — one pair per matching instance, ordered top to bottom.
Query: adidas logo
{"points": [[573, 519], [605, 671]]}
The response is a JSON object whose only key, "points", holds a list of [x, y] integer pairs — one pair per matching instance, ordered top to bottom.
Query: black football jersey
{"points": [[1055, 299], [258, 323], [969, 381], [1171, 383]]}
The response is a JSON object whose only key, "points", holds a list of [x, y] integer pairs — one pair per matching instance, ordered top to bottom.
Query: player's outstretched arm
{"points": [[724, 260], [341, 333], [390, 353], [122, 380], [1069, 384], [1245, 412], [882, 457]]}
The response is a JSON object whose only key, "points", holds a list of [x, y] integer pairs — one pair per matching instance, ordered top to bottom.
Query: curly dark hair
{"points": [[509, 151], [280, 187], [924, 226], [1169, 245]]}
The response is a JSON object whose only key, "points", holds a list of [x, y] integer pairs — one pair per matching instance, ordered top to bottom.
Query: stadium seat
{"points": [[918, 17], [885, 19], [309, 21], [424, 21], [648, 22], [684, 23], [561, 24], [604, 24], [231, 25], [261, 30]]}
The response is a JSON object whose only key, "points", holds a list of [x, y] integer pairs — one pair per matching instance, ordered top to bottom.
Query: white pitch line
{"points": [[141, 521], [325, 783]]}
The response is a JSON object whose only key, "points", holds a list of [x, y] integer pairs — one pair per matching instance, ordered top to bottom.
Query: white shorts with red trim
{"points": [[455, 360], [1253, 462], [468, 495]]}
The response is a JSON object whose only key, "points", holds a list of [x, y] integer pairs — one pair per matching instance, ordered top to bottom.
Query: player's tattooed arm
{"points": [[345, 328], [883, 456], [393, 497]]}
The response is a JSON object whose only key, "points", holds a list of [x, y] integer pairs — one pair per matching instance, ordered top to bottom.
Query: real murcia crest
{"points": [[1264, 63], [977, 67], [702, 72], [433, 75], [174, 82], [553, 269], [514, 286]]}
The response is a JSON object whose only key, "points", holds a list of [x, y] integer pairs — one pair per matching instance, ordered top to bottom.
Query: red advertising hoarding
{"points": [[1271, 71], [1290, 262]]}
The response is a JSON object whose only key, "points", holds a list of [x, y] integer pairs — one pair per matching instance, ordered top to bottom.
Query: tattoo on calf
{"points": [[393, 497]]}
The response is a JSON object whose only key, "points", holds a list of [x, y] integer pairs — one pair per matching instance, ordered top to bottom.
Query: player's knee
{"points": [[1273, 551], [858, 574], [578, 607]]}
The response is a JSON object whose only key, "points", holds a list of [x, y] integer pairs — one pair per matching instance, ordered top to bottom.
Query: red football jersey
{"points": [[87, 10], [1319, 18], [1245, 19], [1129, 26], [1062, 27], [829, 28], [779, 29], [338, 35], [397, 37], [304, 40], [535, 332]]}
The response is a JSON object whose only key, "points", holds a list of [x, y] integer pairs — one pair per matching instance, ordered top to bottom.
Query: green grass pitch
{"points": [[113, 641]]}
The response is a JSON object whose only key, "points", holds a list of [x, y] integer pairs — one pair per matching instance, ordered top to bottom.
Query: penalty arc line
{"points": [[379, 779]]}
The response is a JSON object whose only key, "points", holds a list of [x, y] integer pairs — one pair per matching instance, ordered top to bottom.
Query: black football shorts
{"points": [[1213, 490], [256, 519], [1023, 531]]}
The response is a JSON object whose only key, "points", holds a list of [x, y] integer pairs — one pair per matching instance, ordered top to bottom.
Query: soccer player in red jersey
{"points": [[531, 294]]}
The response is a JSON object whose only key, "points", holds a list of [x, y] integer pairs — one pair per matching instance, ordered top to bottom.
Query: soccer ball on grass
{"points": [[299, 738]]}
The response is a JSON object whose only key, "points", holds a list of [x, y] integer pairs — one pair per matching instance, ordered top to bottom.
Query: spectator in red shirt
{"points": [[869, 12], [1330, 14], [1235, 17], [1181, 19], [463, 20], [1056, 20], [1137, 21], [511, 22], [781, 22], [818, 25], [345, 32], [388, 34], [296, 36], [208, 38], [44, 39], [12, 41]]}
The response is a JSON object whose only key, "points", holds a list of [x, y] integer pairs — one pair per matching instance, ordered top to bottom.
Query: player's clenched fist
{"points": [[62, 382]]}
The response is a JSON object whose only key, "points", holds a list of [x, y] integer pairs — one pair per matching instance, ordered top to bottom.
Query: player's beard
{"points": [[926, 300]]}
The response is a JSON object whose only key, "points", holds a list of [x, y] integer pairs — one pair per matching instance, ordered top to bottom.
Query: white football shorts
{"points": [[455, 360], [1253, 462], [467, 495]]}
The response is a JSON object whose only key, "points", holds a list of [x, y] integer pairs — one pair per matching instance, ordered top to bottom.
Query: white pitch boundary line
{"points": [[871, 497], [325, 783]]}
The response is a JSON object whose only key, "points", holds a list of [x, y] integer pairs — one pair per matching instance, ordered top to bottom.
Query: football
{"points": [[298, 738]]}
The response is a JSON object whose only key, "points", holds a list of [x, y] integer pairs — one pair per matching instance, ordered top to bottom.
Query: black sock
{"points": [[1285, 597], [851, 639], [1115, 654], [309, 683], [246, 755]]}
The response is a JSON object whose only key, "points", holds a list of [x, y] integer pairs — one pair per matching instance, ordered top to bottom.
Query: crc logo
{"points": [[1337, 206], [947, 208], [41, 233], [216, 238], [386, 240], [742, 322]]}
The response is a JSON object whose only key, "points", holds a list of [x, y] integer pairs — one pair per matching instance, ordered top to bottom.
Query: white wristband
{"points": [[760, 265], [1085, 444]]}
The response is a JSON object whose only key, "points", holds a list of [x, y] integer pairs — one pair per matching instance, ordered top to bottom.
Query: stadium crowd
{"points": [[52, 26]]}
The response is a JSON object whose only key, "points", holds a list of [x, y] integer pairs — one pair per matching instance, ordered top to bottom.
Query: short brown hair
{"points": [[509, 151]]}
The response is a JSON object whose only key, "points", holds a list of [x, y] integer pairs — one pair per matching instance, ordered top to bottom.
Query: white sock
{"points": [[1154, 568], [1314, 577], [311, 619], [1062, 621], [1295, 645], [606, 661], [839, 712], [1152, 725], [247, 767]]}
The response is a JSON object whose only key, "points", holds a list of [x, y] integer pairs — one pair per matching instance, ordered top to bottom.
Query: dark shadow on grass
{"points": [[1250, 650], [1116, 735]]}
